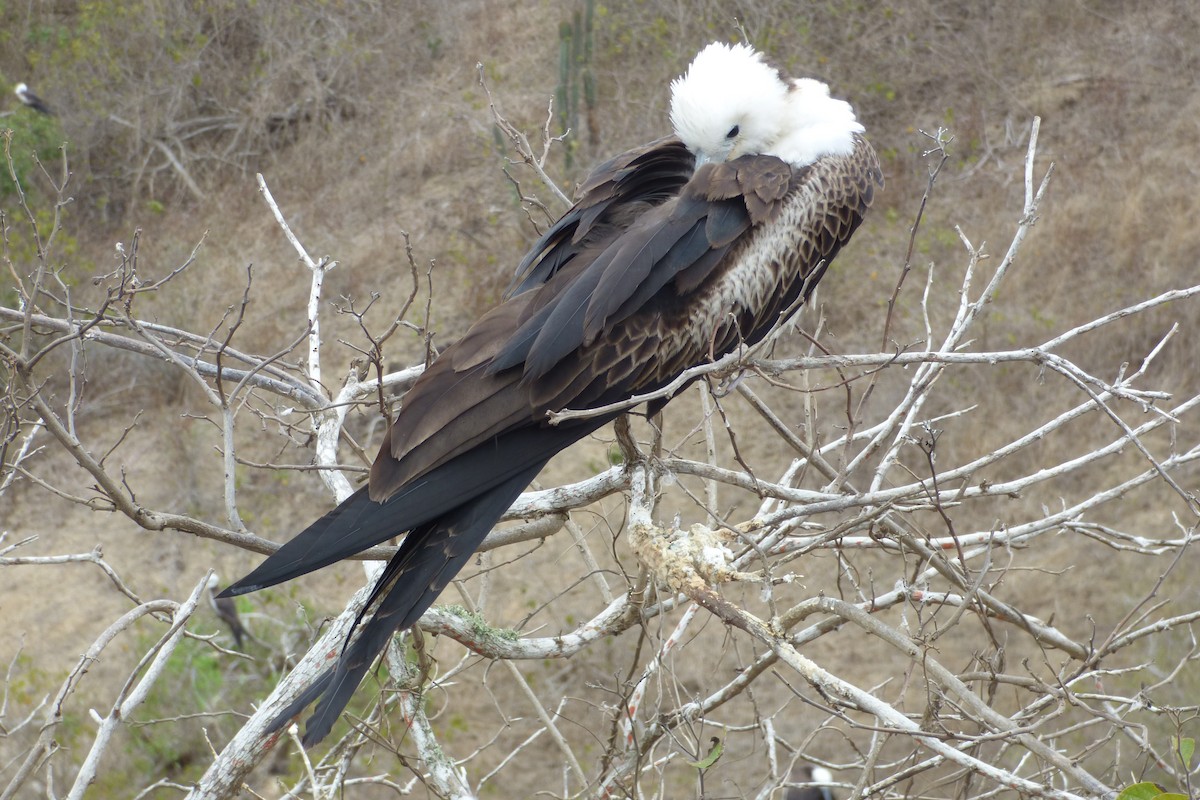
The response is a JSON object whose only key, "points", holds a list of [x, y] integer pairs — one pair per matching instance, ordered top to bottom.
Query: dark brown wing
{"points": [[611, 198], [499, 376], [465, 398], [460, 402]]}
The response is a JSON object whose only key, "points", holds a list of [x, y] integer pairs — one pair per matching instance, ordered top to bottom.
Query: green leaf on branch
{"points": [[717, 748], [1184, 748]]}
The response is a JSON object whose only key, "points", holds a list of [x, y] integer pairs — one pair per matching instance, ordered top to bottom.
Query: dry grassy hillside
{"points": [[369, 124]]}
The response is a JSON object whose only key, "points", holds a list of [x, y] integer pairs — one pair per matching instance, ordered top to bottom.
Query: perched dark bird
{"points": [[30, 99], [675, 253], [226, 610], [806, 773]]}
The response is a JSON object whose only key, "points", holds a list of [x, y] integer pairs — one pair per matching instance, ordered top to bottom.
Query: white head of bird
{"points": [[732, 103]]}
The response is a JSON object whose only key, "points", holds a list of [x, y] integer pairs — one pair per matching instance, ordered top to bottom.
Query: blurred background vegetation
{"points": [[367, 119]]}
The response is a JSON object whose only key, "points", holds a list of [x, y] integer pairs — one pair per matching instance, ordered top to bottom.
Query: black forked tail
{"points": [[360, 522], [426, 562]]}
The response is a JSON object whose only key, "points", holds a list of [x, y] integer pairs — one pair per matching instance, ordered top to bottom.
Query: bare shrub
{"points": [[818, 556]]}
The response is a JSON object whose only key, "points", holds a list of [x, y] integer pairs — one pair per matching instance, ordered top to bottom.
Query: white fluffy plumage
{"points": [[731, 103]]}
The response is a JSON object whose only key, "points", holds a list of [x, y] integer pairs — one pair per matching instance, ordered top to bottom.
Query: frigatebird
{"points": [[26, 96], [675, 252]]}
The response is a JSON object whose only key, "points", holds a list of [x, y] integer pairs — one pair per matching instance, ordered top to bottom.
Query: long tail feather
{"points": [[360, 522], [427, 561]]}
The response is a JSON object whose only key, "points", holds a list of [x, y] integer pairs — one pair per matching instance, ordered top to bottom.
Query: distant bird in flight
{"points": [[30, 99], [675, 253], [226, 611]]}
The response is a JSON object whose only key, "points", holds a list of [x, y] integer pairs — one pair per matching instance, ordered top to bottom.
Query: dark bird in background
{"points": [[26, 96], [675, 253], [226, 610], [806, 773]]}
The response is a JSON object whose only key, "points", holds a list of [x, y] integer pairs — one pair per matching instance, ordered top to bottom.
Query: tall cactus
{"points": [[575, 77]]}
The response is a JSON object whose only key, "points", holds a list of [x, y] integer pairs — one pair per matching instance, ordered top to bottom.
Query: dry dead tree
{"points": [[861, 486]]}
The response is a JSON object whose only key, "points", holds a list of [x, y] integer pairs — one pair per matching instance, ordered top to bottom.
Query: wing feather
{"points": [[611, 197]]}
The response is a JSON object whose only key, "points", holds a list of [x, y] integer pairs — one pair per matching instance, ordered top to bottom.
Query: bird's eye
{"points": [[733, 132]]}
